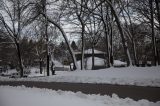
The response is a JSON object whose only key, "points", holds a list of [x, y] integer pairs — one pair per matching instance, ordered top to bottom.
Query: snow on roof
{"points": [[89, 51], [118, 63]]}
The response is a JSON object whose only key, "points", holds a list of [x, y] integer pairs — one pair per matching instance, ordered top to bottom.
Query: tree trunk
{"points": [[158, 11], [158, 14], [46, 33], [130, 33], [153, 33], [18, 36], [107, 40], [107, 43], [111, 43], [83, 45], [47, 48], [108, 48], [126, 51], [134, 51], [92, 56], [19, 58], [47, 65], [40, 66], [52, 68]]}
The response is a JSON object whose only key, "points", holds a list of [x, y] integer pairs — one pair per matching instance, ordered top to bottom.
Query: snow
{"points": [[89, 51], [57, 63], [119, 63], [9, 72], [35, 72], [139, 76], [22, 96]]}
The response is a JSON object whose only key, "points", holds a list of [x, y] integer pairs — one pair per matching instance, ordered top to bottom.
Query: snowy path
{"points": [[134, 92], [22, 96]]}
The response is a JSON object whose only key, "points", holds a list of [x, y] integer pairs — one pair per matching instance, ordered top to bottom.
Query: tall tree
{"points": [[126, 9], [44, 10], [80, 13], [15, 16], [57, 24], [153, 33], [126, 51]]}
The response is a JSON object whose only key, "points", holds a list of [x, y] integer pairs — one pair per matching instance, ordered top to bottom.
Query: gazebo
{"points": [[88, 53], [99, 59]]}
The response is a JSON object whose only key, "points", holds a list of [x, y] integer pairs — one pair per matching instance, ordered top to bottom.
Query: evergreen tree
{"points": [[74, 46]]}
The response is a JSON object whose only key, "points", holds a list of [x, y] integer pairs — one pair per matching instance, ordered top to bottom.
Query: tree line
{"points": [[124, 29]]}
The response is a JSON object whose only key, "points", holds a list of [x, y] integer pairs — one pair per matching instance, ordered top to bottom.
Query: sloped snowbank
{"points": [[140, 76], [22, 96]]}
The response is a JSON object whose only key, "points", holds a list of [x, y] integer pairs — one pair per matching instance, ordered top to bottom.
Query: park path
{"points": [[123, 91]]}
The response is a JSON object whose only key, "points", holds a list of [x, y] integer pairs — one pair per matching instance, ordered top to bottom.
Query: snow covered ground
{"points": [[98, 62], [140, 76], [22, 96]]}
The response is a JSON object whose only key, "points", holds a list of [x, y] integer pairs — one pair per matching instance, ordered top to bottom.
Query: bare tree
{"points": [[44, 10], [79, 10], [15, 16], [107, 20], [118, 22], [56, 23], [129, 26], [94, 31], [153, 33], [39, 48], [126, 51]]}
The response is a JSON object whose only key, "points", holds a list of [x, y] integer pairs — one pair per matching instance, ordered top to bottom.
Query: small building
{"points": [[88, 53], [99, 59]]}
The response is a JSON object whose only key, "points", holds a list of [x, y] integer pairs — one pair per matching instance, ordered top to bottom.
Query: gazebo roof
{"points": [[89, 51]]}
